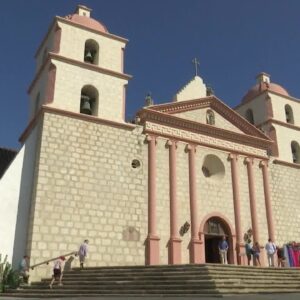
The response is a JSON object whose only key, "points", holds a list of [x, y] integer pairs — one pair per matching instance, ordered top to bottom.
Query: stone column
{"points": [[252, 197], [237, 206], [269, 213], [152, 241], [174, 244], [195, 244]]}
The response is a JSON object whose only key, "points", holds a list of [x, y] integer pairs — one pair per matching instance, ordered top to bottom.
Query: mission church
{"points": [[161, 190]]}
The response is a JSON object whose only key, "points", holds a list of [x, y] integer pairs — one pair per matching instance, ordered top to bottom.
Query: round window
{"points": [[135, 164], [213, 167]]}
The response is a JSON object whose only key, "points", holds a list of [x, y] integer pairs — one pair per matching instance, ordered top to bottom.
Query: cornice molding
{"points": [[109, 35], [77, 63], [88, 66], [268, 92], [214, 103], [88, 118], [284, 124], [209, 130], [285, 163]]}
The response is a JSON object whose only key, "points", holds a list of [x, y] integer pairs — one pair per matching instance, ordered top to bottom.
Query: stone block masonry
{"points": [[86, 188]]}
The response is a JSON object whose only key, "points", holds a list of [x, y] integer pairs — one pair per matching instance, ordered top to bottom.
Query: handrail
{"points": [[52, 259]]}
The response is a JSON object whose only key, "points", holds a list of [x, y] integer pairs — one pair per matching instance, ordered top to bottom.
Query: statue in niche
{"points": [[210, 117], [130, 233]]}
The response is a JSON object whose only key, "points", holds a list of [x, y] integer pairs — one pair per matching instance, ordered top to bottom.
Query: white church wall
{"points": [[73, 42], [46, 47], [68, 91], [38, 93], [278, 104], [258, 107], [199, 115], [285, 136], [87, 188], [10, 191], [25, 196]]}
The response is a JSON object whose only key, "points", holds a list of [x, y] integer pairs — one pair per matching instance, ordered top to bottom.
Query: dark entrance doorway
{"points": [[214, 230], [211, 249]]}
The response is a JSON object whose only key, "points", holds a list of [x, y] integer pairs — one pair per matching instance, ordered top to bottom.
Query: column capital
{"points": [[149, 138], [170, 143], [190, 147], [233, 156], [248, 161], [263, 163]]}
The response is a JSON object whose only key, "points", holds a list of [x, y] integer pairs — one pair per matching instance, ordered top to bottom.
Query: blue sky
{"points": [[233, 39]]}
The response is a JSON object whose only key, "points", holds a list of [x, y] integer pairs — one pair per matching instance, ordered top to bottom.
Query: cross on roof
{"points": [[196, 62]]}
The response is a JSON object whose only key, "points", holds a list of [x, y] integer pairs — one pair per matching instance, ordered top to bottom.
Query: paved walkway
{"points": [[240, 297]]}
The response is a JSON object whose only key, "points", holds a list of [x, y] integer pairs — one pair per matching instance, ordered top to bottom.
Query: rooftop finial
{"points": [[82, 10], [196, 62], [263, 77], [149, 100]]}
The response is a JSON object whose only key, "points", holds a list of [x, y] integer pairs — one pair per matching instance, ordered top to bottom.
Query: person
{"points": [[223, 248], [248, 249], [271, 249], [82, 252], [256, 253], [280, 257], [24, 268], [58, 271]]}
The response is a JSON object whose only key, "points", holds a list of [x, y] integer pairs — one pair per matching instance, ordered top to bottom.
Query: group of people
{"points": [[254, 251], [58, 265]]}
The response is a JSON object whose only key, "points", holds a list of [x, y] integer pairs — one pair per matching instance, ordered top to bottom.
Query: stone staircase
{"points": [[176, 280]]}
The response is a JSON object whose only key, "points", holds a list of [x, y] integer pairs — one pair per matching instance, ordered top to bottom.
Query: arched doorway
{"points": [[214, 229]]}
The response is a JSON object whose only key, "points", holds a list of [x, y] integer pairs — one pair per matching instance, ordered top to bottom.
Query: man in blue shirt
{"points": [[223, 248]]}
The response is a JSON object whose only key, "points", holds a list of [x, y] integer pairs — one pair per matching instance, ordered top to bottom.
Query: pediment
{"points": [[196, 111], [183, 116]]}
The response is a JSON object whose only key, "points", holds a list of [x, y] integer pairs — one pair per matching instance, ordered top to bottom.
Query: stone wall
{"points": [[285, 182], [87, 188]]}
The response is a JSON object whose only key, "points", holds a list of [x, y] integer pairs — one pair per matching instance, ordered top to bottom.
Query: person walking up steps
{"points": [[82, 252], [58, 271]]}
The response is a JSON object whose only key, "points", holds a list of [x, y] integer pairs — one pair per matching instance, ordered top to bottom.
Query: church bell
{"points": [[88, 57], [85, 105]]}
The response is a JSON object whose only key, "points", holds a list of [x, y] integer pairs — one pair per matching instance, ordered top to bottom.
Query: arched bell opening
{"points": [[91, 52], [89, 100], [249, 116], [289, 116], [295, 148], [212, 230]]}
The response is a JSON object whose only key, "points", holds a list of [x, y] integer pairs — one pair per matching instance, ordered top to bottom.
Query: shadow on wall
{"points": [[68, 264]]}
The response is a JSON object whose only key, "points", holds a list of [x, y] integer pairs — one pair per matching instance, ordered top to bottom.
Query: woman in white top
{"points": [[58, 271]]}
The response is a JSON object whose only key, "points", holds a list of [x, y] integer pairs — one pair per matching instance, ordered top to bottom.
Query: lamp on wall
{"points": [[184, 228]]}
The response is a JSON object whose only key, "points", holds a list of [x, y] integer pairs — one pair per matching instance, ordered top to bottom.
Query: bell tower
{"points": [[80, 69]]}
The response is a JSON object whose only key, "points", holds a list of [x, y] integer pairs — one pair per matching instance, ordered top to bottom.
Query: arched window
{"points": [[91, 52], [89, 100], [249, 116], [289, 116], [210, 117], [295, 152]]}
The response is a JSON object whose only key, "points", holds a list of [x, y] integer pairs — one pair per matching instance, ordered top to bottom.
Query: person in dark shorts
{"points": [[248, 249], [280, 257], [58, 271]]}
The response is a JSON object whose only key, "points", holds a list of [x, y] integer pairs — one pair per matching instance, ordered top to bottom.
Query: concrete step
{"points": [[167, 280]]}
